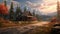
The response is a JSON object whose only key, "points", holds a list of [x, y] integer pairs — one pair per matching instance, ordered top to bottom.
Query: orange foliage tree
{"points": [[3, 9]]}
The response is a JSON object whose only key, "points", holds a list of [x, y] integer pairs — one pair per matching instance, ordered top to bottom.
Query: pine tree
{"points": [[5, 2], [25, 9], [11, 11], [18, 11], [33, 12], [30, 13], [38, 17]]}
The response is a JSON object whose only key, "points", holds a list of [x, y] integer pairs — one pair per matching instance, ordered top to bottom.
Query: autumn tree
{"points": [[5, 3], [3, 10]]}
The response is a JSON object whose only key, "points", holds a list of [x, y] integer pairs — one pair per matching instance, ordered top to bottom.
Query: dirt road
{"points": [[22, 29]]}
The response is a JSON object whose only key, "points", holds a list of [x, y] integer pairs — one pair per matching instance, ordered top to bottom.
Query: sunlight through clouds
{"points": [[46, 7]]}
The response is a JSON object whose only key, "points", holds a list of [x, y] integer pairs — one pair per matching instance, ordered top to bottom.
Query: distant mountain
{"points": [[52, 14], [45, 17]]}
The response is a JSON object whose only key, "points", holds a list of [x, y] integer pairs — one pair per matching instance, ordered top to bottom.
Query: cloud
{"points": [[15, 3], [32, 5], [49, 6], [46, 7]]}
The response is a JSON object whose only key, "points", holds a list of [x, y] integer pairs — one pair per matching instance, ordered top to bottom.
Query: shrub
{"points": [[0, 24]]}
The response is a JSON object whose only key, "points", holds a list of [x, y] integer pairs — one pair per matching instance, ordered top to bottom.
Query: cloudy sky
{"points": [[44, 6]]}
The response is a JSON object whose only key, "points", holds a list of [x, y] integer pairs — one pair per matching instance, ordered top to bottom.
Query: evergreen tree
{"points": [[5, 2], [25, 9], [11, 11], [18, 11], [33, 12], [30, 13], [38, 17]]}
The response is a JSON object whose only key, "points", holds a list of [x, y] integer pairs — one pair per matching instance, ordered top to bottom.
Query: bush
{"points": [[0, 24]]}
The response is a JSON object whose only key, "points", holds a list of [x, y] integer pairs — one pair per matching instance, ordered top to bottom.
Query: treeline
{"points": [[19, 15]]}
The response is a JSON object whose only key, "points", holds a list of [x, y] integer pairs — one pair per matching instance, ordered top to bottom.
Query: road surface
{"points": [[22, 29]]}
